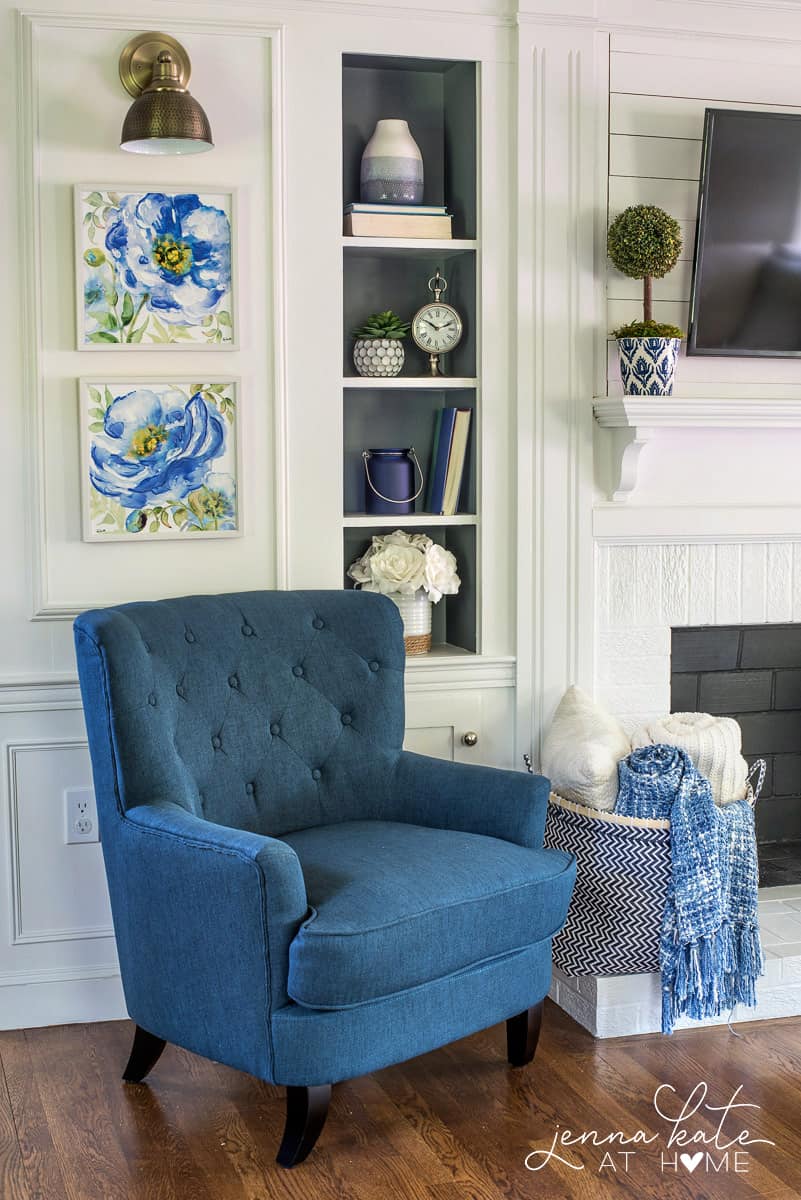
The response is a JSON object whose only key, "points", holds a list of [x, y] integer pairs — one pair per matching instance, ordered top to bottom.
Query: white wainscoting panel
{"points": [[58, 891]]}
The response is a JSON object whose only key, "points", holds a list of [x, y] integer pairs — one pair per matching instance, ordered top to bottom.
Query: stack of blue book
{"points": [[448, 460]]}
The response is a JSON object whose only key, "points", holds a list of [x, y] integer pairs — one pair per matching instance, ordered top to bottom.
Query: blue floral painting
{"points": [[154, 268], [159, 460]]}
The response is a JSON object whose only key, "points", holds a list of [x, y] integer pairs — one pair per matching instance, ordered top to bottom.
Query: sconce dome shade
{"points": [[164, 118], [166, 122]]}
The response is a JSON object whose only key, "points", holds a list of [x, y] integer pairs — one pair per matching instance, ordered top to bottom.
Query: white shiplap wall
{"points": [[659, 89]]}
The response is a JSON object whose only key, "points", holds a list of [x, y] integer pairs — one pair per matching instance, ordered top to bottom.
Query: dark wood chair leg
{"points": [[522, 1035], [145, 1053], [306, 1110]]}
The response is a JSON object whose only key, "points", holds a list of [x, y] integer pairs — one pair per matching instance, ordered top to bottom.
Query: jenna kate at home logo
{"points": [[681, 1146]]}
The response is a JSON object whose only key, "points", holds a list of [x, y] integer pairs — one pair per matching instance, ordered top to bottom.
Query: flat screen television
{"points": [[746, 292]]}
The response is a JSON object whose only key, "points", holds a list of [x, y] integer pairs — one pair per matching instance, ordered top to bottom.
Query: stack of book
{"points": [[397, 220], [448, 460]]}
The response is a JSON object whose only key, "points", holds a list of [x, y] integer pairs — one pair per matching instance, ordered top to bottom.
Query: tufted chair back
{"points": [[264, 711]]}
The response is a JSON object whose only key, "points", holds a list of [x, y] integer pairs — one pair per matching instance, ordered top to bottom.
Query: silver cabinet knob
{"points": [[470, 738]]}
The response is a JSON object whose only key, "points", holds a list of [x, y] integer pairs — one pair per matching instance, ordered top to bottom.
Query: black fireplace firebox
{"points": [[753, 673]]}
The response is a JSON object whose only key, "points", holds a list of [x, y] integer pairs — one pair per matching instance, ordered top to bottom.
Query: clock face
{"points": [[437, 328]]}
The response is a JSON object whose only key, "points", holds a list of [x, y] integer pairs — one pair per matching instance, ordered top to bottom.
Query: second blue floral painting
{"points": [[154, 269], [159, 459]]}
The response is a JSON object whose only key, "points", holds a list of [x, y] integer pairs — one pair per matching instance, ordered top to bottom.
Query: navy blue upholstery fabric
{"points": [[234, 706], [231, 736], [396, 905], [334, 1044]]}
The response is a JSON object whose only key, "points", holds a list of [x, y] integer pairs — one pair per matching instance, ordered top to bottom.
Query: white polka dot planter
{"points": [[378, 358], [648, 365]]}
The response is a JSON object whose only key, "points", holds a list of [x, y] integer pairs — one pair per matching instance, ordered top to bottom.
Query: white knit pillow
{"points": [[713, 743], [582, 750]]}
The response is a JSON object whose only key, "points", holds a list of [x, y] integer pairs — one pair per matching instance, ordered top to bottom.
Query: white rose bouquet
{"points": [[402, 563]]}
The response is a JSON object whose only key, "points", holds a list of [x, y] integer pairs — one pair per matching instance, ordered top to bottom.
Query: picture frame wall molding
{"points": [[203, 18]]}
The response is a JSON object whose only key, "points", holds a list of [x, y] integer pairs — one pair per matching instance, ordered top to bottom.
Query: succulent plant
{"points": [[644, 242], [383, 325]]}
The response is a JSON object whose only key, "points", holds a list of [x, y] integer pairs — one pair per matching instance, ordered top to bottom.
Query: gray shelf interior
{"points": [[438, 99], [378, 279], [385, 418], [454, 619]]}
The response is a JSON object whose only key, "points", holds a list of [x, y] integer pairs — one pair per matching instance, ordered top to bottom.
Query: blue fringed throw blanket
{"points": [[710, 951]]}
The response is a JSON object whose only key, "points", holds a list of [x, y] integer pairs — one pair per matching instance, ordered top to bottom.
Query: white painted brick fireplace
{"points": [[643, 591]]}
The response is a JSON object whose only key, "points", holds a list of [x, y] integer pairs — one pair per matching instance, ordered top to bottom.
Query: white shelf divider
{"points": [[379, 243], [434, 383], [413, 520]]}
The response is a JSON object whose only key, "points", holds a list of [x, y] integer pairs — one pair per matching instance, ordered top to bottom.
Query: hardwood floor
{"points": [[457, 1124]]}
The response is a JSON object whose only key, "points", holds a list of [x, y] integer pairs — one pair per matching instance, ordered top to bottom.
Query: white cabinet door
{"points": [[437, 725]]}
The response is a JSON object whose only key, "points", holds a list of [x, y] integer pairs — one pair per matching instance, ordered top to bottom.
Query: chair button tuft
{"points": [[318, 623], [247, 630], [190, 637], [146, 646], [373, 665], [297, 671], [233, 681], [181, 691], [152, 699], [347, 719], [275, 729], [216, 742], [316, 773], [249, 788]]}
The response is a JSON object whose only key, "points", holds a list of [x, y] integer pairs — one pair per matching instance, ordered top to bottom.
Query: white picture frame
{"points": [[150, 289], [185, 436]]}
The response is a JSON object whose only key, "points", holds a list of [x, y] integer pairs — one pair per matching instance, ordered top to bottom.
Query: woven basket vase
{"points": [[415, 611]]}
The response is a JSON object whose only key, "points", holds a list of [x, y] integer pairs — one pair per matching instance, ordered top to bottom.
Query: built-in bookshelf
{"points": [[438, 98]]}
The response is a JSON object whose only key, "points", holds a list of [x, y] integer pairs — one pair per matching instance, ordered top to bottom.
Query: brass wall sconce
{"points": [[164, 118]]}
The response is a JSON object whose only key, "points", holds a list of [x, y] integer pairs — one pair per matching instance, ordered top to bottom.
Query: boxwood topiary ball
{"points": [[644, 240]]}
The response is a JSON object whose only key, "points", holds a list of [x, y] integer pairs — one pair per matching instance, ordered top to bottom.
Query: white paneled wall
{"points": [[659, 89], [57, 953]]}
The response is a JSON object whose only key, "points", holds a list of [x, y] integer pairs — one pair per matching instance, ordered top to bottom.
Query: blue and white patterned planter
{"points": [[392, 166], [648, 365]]}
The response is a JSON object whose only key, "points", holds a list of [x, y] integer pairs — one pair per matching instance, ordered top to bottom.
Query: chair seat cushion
{"points": [[395, 906]]}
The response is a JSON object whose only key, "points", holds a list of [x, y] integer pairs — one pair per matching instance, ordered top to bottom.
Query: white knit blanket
{"points": [[713, 743]]}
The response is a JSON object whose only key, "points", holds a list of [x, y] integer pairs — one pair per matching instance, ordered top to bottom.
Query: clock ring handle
{"points": [[438, 284], [366, 456]]}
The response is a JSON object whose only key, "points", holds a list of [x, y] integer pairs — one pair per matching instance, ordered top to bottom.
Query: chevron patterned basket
{"points": [[623, 870], [615, 915]]}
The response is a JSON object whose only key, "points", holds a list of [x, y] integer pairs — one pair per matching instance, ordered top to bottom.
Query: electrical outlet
{"points": [[80, 816]]}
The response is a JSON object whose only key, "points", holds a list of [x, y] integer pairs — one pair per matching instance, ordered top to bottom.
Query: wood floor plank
{"points": [[726, 1062], [456, 1124], [90, 1155], [158, 1155], [39, 1157], [13, 1180]]}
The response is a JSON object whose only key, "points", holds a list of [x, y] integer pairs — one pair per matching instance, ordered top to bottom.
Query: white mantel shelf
{"points": [[683, 412], [645, 416]]}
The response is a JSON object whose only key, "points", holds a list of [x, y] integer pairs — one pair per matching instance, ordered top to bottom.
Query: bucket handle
{"points": [[411, 453], [757, 770]]}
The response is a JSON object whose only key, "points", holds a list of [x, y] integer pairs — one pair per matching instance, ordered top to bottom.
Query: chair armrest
{"points": [[505, 804], [204, 916]]}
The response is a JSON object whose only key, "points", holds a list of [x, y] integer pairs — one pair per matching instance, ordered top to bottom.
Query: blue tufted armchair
{"points": [[293, 894]]}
